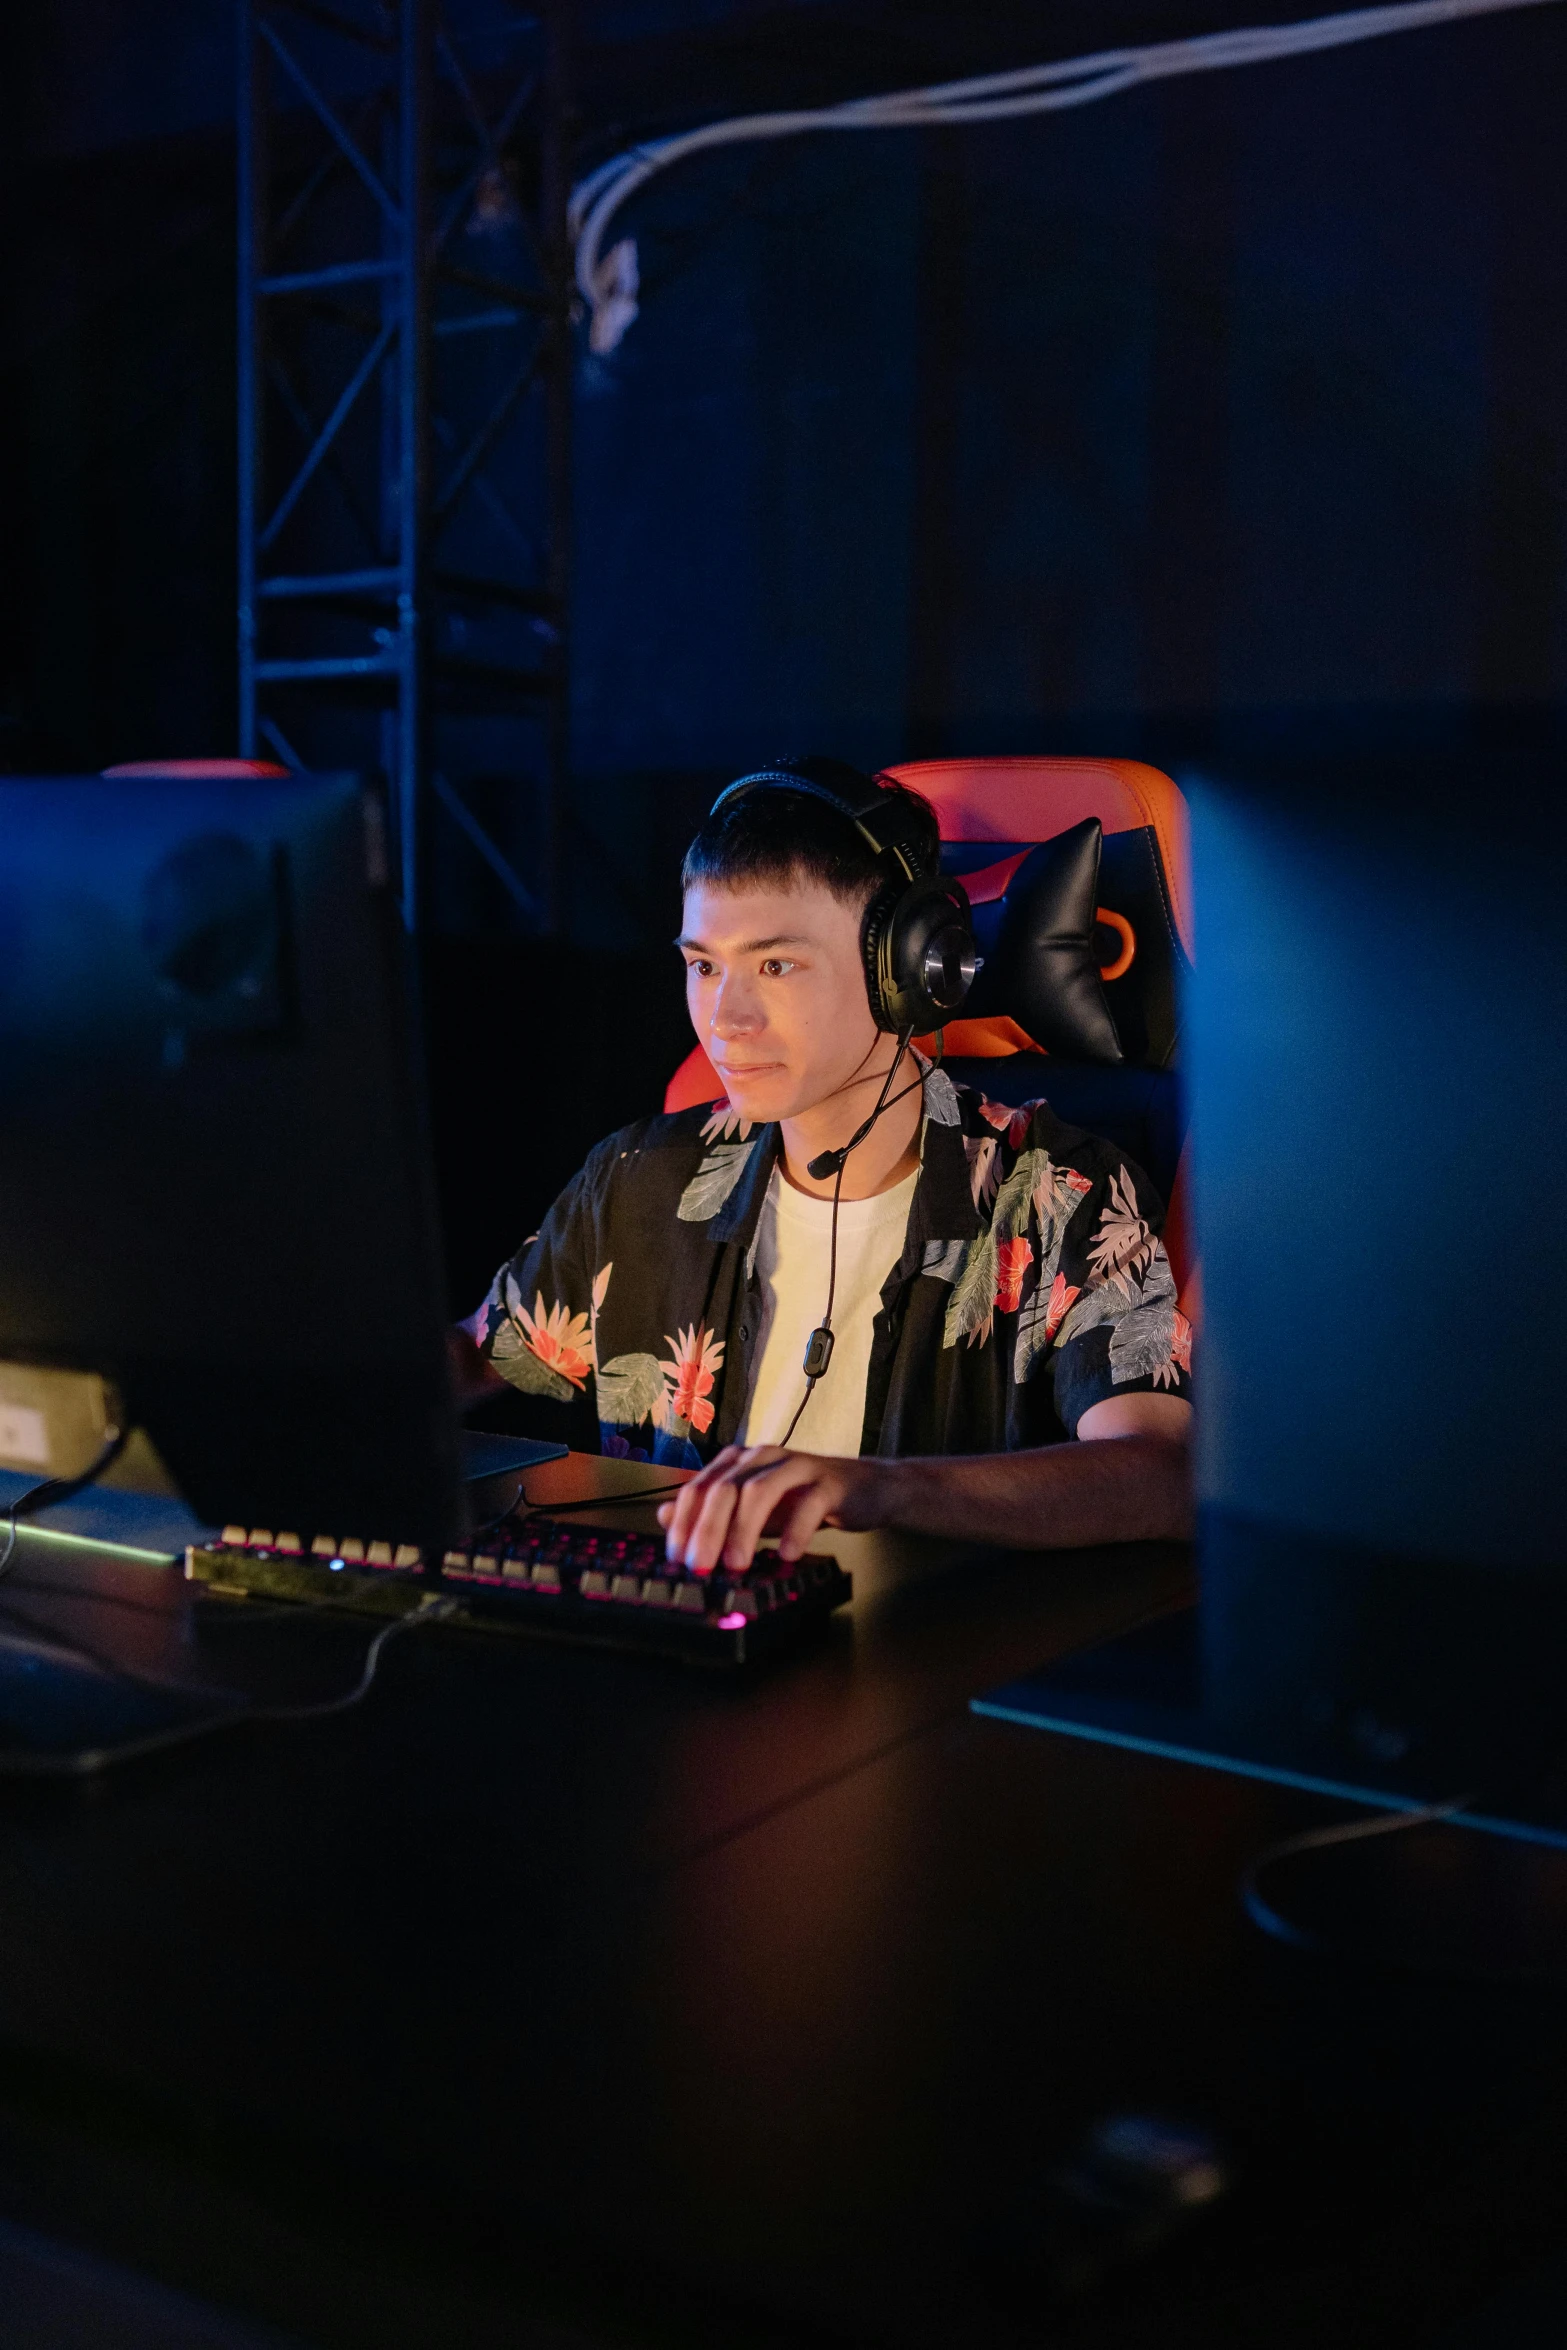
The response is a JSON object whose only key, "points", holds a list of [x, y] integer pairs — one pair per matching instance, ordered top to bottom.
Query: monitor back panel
{"points": [[214, 1171]]}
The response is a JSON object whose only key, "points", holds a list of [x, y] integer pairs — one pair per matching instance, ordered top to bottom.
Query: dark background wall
{"points": [[1233, 404]]}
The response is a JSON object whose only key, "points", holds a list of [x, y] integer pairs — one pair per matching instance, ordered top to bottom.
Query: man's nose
{"points": [[735, 1008]]}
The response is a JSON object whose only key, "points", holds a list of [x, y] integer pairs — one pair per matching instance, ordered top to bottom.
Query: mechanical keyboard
{"points": [[540, 1576]]}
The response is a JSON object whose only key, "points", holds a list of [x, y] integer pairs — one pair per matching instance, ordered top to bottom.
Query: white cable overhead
{"points": [[609, 284]]}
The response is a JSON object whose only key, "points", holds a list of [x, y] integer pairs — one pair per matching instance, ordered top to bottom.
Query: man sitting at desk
{"points": [[850, 1255]]}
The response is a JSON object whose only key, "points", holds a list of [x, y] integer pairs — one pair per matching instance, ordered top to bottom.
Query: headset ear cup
{"points": [[874, 943], [897, 946]]}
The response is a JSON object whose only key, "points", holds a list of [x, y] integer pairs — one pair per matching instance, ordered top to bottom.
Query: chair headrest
{"points": [[1029, 799], [993, 812], [1041, 963]]}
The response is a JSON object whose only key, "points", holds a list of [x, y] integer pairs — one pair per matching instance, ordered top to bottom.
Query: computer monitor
{"points": [[1378, 1058], [215, 1184]]}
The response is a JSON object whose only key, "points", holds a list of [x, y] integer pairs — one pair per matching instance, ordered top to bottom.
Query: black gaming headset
{"points": [[917, 937]]}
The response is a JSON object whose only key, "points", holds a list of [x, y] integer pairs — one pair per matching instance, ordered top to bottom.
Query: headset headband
{"points": [[781, 777]]}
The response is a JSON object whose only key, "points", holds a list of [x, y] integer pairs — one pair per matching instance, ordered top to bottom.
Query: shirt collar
{"points": [[943, 1206]]}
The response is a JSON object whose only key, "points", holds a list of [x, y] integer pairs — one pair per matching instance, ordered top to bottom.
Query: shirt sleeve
{"points": [[536, 1325], [1121, 1331]]}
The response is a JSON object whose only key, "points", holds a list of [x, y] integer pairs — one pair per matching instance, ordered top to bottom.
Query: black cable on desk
{"points": [[50, 1490], [598, 1501], [318, 1709], [86, 1761], [1282, 1927]]}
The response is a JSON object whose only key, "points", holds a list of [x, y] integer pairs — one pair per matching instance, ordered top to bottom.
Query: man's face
{"points": [[776, 992]]}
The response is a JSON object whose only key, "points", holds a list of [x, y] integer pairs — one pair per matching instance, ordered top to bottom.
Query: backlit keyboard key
{"points": [[594, 1584], [627, 1588], [690, 1599]]}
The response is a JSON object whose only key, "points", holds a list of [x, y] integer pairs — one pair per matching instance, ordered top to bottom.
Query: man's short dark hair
{"points": [[775, 837]]}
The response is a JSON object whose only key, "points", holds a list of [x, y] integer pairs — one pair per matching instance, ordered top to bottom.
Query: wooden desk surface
{"points": [[560, 1997]]}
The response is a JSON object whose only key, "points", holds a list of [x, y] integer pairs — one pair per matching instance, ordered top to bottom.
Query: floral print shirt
{"points": [[1032, 1284]]}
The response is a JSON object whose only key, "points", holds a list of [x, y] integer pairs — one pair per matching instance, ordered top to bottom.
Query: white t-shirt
{"points": [[793, 1239]]}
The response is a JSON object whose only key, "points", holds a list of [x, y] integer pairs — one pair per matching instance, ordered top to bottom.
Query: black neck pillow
{"points": [[1041, 964]]}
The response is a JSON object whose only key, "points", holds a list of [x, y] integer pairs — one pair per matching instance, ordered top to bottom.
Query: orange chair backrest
{"points": [[1033, 799]]}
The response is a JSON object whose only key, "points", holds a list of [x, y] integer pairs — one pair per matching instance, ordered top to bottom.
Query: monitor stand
{"points": [[1363, 1675]]}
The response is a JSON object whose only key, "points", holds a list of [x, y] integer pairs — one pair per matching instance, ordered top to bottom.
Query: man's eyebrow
{"points": [[752, 946]]}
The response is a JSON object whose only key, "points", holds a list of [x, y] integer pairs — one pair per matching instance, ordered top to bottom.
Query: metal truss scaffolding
{"points": [[404, 424]]}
